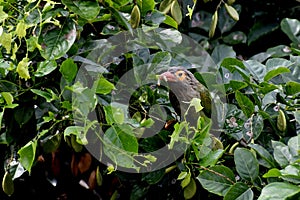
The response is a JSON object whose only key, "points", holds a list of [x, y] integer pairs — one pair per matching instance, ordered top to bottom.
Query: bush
{"points": [[80, 101]]}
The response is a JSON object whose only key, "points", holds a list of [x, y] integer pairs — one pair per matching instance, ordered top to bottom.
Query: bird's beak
{"points": [[168, 77]]}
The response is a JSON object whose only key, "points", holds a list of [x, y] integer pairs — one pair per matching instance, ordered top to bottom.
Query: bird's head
{"points": [[181, 81], [184, 87]]}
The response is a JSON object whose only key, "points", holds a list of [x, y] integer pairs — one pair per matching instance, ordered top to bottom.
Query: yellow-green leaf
{"points": [[165, 6], [176, 12], [232, 12], [3, 15], [135, 17], [213, 24], [21, 29], [5, 40], [22, 68], [7, 97], [281, 121], [27, 154], [190, 190]]}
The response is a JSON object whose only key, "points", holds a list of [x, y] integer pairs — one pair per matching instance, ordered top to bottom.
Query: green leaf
{"points": [[146, 6], [165, 6], [85, 9], [176, 11], [232, 12], [3, 15], [135, 17], [121, 19], [170, 21], [213, 25], [291, 28], [21, 29], [259, 30], [236, 37], [5, 40], [56, 43], [221, 52], [22, 68], [45, 68], [68, 69], [256, 69], [275, 72], [237, 85], [104, 86], [292, 87], [46, 95], [8, 97], [84, 100], [196, 103], [245, 103], [23, 114], [114, 114], [178, 129], [79, 132], [51, 143], [120, 144], [294, 146], [281, 153], [264, 154], [27, 155], [212, 158], [246, 164], [272, 173], [291, 173], [153, 177], [186, 180], [217, 180], [190, 190], [239, 191], [278, 191]]}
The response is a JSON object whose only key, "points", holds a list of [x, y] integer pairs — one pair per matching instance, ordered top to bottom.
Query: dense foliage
{"points": [[65, 68]]}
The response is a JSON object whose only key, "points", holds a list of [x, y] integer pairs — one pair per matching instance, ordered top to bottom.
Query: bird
{"points": [[183, 87]]}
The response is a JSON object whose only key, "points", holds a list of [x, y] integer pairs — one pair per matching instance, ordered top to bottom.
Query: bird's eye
{"points": [[180, 75]]}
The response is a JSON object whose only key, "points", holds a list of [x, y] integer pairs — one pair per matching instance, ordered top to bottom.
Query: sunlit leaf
{"points": [[22, 68], [27, 155]]}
